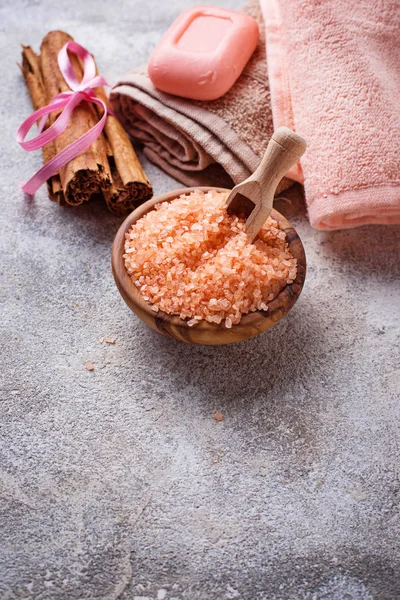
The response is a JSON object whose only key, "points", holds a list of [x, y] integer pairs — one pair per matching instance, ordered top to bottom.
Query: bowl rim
{"points": [[160, 320]]}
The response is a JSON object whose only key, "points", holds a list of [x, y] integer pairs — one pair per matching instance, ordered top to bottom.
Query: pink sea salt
{"points": [[188, 257]]}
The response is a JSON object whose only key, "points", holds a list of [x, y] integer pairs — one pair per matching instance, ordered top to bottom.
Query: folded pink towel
{"points": [[334, 72]]}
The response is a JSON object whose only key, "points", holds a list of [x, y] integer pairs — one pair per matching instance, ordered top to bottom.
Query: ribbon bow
{"points": [[66, 101]]}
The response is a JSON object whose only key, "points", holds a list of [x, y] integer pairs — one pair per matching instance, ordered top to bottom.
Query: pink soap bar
{"points": [[203, 52]]}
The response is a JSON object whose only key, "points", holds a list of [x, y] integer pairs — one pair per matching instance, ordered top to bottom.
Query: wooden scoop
{"points": [[253, 198]]}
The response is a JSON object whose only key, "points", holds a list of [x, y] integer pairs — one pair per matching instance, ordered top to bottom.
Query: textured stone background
{"points": [[118, 483]]}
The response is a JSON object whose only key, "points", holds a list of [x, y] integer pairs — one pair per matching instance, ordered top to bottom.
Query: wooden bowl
{"points": [[205, 333]]}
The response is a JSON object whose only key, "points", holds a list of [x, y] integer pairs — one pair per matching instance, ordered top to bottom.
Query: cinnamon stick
{"points": [[32, 74], [110, 166], [88, 173], [130, 185]]}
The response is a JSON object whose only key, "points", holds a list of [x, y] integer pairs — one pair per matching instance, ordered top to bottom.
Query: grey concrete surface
{"points": [[118, 483]]}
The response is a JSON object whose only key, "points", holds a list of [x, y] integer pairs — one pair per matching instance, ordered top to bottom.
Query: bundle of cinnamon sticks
{"points": [[110, 167]]}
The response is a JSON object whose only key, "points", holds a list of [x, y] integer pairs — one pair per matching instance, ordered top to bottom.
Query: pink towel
{"points": [[334, 72]]}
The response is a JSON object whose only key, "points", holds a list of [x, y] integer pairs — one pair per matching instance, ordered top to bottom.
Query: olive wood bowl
{"points": [[204, 332]]}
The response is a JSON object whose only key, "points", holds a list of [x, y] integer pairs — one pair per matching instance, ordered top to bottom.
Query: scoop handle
{"points": [[285, 148], [283, 151]]}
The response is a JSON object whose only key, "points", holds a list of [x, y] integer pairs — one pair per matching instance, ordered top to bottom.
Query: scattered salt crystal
{"points": [[218, 416]]}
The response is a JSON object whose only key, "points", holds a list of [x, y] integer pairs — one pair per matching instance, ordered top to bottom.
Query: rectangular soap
{"points": [[203, 52]]}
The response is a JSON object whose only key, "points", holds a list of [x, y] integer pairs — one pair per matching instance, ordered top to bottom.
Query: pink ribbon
{"points": [[80, 91]]}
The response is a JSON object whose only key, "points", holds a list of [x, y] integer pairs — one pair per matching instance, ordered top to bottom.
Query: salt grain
{"points": [[190, 258], [218, 416]]}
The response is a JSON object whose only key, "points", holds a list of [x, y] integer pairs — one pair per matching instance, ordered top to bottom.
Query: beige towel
{"points": [[202, 143]]}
